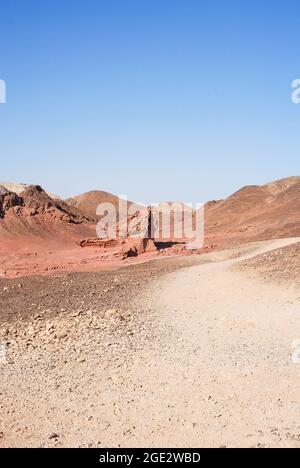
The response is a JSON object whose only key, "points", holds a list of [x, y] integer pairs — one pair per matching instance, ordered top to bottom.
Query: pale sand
{"points": [[218, 370]]}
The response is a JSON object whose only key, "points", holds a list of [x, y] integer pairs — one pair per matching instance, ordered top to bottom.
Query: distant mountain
{"points": [[281, 185], [19, 188], [89, 201], [33, 213], [252, 213], [256, 213]]}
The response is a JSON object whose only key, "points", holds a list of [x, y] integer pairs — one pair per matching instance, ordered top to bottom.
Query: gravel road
{"points": [[173, 352]]}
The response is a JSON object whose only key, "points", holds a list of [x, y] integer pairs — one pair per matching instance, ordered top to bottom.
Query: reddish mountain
{"points": [[281, 185], [89, 201], [33, 213], [252, 213], [256, 213], [39, 234]]}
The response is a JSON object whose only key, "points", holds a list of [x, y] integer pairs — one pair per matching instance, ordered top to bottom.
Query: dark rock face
{"points": [[35, 198], [8, 200], [35, 201]]}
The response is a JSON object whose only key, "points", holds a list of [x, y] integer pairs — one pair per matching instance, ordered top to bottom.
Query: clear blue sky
{"points": [[159, 100]]}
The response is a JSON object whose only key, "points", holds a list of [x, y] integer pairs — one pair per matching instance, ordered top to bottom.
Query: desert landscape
{"points": [[139, 342]]}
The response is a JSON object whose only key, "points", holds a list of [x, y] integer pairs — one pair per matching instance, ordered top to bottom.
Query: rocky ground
{"points": [[280, 265], [55, 326], [171, 352]]}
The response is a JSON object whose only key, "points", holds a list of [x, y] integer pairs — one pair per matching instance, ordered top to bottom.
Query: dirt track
{"points": [[200, 357]]}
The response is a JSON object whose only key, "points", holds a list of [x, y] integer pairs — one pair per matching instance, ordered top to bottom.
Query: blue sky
{"points": [[171, 99]]}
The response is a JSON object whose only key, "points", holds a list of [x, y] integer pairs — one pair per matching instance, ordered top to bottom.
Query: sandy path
{"points": [[215, 371], [227, 371], [221, 373]]}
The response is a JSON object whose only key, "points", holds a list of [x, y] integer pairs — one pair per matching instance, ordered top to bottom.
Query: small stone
{"points": [[111, 312]]}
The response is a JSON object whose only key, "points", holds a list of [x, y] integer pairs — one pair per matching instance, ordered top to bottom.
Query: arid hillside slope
{"points": [[281, 185], [18, 188], [89, 201], [256, 213], [33, 214], [39, 234], [280, 265]]}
